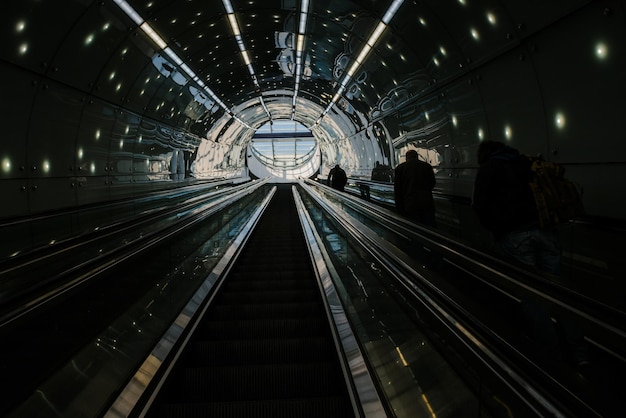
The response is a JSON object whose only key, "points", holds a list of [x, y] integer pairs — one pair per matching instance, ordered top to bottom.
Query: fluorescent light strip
{"points": [[229, 7], [304, 10], [129, 11], [391, 11], [304, 13], [232, 19], [234, 26], [151, 33], [371, 41], [300, 43], [366, 49], [175, 58], [263, 104]]}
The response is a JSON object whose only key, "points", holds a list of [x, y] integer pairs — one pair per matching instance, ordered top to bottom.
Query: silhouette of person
{"points": [[381, 172], [337, 178], [413, 186], [505, 205]]}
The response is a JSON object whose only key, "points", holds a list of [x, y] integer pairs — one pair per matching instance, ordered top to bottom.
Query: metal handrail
{"points": [[496, 270], [55, 283], [113, 335], [477, 337], [158, 365], [366, 400]]}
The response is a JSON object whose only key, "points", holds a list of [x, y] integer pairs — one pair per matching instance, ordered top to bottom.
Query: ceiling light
{"points": [[304, 12], [232, 19], [151, 33], [369, 44]]}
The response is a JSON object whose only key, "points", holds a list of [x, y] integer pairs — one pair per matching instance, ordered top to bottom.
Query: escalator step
{"points": [[289, 249], [295, 251], [275, 266], [282, 274], [270, 283], [268, 296], [237, 311], [264, 328], [264, 348], [260, 351], [256, 382], [327, 407]]}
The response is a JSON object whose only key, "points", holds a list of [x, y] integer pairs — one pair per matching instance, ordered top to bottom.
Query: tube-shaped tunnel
{"points": [[111, 100], [95, 108]]}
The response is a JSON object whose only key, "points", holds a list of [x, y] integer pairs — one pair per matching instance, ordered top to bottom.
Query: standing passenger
{"points": [[337, 178], [413, 186], [505, 205]]}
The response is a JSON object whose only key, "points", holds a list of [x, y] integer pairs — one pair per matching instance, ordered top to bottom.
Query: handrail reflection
{"points": [[432, 297]]}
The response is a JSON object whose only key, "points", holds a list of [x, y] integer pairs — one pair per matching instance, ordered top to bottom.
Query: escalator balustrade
{"points": [[264, 348]]}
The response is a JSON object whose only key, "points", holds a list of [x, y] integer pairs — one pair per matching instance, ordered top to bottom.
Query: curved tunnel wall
{"points": [[545, 77], [551, 84], [74, 134]]}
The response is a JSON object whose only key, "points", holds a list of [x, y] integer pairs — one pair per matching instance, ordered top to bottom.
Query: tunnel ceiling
{"points": [[334, 32], [423, 44], [103, 47], [86, 89]]}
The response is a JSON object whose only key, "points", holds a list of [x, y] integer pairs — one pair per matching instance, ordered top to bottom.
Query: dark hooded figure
{"points": [[337, 178], [413, 186], [502, 197], [504, 203]]}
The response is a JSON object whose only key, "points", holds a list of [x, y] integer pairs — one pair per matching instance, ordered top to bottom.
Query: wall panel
{"points": [[21, 29], [87, 47], [581, 74], [17, 91], [513, 103], [92, 150]]}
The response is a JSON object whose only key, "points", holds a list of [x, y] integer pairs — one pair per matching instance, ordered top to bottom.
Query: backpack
{"points": [[340, 178], [557, 198]]}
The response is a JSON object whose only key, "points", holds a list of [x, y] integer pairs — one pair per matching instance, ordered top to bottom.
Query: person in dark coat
{"points": [[382, 172], [337, 178], [413, 185], [505, 205]]}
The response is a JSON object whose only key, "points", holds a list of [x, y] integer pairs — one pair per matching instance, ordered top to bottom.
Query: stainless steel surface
{"points": [[94, 110], [405, 272], [185, 323], [354, 364]]}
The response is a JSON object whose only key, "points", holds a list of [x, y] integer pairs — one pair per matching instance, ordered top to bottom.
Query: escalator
{"points": [[483, 293], [264, 347]]}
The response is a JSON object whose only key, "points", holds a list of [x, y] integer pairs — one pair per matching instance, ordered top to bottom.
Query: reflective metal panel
{"points": [[535, 14], [479, 28], [23, 40], [88, 45], [581, 77], [145, 84], [18, 90], [513, 103], [468, 126], [53, 129], [94, 136], [50, 193], [15, 197], [356, 368], [412, 375]]}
